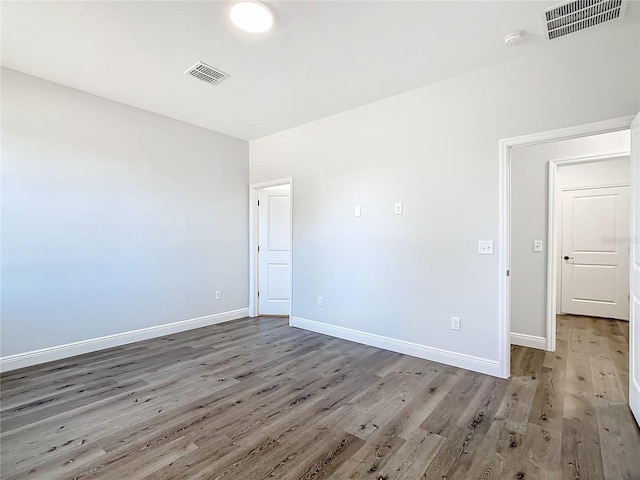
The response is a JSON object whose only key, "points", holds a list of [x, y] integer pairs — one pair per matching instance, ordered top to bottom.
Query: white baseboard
{"points": [[525, 340], [27, 359], [461, 360]]}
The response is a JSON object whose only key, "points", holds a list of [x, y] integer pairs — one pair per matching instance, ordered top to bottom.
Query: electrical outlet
{"points": [[398, 209], [537, 245], [218, 295], [320, 301], [455, 323]]}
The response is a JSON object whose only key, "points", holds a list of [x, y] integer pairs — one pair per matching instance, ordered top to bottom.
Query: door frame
{"points": [[504, 231], [554, 236], [254, 267]]}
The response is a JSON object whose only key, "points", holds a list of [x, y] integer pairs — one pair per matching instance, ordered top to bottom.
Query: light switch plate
{"points": [[357, 211], [537, 245], [485, 247]]}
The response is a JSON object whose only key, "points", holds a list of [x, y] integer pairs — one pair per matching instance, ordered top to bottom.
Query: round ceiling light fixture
{"points": [[251, 16]]}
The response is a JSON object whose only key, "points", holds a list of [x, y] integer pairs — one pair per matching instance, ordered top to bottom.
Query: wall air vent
{"points": [[570, 17], [206, 73]]}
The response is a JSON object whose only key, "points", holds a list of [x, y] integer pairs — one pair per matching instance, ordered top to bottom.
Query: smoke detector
{"points": [[573, 16], [514, 38], [206, 73]]}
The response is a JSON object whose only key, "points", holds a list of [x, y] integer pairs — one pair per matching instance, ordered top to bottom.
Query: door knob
{"points": [[567, 257]]}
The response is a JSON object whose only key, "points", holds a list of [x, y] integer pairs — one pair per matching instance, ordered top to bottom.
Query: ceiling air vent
{"points": [[570, 17], [206, 73]]}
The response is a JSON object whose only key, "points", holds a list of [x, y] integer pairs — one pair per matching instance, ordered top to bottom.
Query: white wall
{"points": [[436, 150], [601, 173], [529, 212], [113, 218]]}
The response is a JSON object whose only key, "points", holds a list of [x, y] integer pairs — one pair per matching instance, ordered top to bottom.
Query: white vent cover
{"points": [[570, 17], [206, 73]]}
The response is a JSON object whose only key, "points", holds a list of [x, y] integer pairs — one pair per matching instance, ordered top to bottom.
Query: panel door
{"points": [[274, 240], [595, 252]]}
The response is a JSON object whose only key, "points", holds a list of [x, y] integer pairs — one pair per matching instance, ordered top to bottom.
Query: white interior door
{"points": [[274, 250], [595, 252], [634, 320]]}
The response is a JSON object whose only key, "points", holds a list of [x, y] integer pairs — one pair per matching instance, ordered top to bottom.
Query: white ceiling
{"points": [[320, 58]]}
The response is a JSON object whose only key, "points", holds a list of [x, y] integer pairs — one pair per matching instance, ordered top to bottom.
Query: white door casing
{"points": [[504, 248], [274, 250], [595, 252], [634, 315]]}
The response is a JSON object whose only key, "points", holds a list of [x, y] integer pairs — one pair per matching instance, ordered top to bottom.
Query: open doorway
{"points": [[505, 231], [569, 233], [270, 248], [588, 365]]}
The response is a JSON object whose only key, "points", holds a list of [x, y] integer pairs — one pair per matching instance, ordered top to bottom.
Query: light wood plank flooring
{"points": [[256, 399]]}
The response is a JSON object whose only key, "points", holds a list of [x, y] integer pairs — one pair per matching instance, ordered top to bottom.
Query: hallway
{"points": [[581, 398]]}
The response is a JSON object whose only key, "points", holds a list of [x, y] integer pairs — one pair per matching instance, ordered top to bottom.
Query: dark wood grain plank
{"points": [[257, 399]]}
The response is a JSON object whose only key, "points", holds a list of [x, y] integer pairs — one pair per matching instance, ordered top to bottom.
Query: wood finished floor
{"points": [[255, 399]]}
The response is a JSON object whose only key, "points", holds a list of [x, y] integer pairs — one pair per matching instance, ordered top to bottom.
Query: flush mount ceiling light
{"points": [[251, 16]]}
